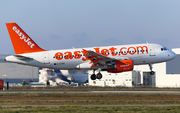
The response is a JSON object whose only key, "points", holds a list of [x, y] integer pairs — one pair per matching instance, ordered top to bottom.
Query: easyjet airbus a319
{"points": [[113, 59]]}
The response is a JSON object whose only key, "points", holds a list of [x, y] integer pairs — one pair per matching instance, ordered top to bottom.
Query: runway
{"points": [[6, 91]]}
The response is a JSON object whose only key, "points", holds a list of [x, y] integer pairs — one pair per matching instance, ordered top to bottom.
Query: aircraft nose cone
{"points": [[172, 55]]}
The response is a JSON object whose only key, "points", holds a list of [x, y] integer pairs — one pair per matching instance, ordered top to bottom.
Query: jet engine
{"points": [[121, 66]]}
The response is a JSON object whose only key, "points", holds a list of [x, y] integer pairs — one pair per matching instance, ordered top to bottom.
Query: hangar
{"points": [[167, 74]]}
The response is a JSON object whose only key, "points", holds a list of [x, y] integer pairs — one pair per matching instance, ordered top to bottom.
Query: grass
{"points": [[88, 99], [71, 100], [77, 109]]}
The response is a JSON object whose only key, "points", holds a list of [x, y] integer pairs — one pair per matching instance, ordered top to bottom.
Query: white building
{"points": [[167, 74], [45, 75], [49, 75]]}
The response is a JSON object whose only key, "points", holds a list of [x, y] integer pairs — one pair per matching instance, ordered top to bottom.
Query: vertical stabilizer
{"points": [[22, 43]]}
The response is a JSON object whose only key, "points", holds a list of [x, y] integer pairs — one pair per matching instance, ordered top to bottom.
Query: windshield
{"points": [[164, 49]]}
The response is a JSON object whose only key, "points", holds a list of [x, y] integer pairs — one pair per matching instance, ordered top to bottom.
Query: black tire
{"points": [[152, 72], [99, 76], [93, 77]]}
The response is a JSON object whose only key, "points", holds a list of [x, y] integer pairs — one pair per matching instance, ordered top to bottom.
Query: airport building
{"points": [[16, 73], [167, 74]]}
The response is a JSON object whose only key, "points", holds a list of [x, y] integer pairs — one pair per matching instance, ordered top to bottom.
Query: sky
{"points": [[63, 24]]}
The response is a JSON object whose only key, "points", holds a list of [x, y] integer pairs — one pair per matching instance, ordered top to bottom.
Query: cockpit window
{"points": [[164, 49]]}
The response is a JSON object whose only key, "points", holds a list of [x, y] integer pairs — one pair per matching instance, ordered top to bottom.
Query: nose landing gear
{"points": [[150, 67]]}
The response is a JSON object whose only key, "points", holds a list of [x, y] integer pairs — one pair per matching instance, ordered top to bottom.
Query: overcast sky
{"points": [[63, 24]]}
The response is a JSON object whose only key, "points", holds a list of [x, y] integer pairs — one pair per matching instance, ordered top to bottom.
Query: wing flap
{"points": [[98, 59]]}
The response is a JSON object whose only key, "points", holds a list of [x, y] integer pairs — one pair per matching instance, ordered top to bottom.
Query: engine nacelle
{"points": [[122, 66]]}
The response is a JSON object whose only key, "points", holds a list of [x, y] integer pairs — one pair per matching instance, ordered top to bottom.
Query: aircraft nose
{"points": [[172, 55]]}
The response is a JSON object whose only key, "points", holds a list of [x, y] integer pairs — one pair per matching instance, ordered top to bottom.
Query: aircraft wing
{"points": [[98, 60]]}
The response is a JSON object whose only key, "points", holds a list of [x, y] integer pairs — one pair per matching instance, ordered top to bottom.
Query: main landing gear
{"points": [[150, 67], [96, 76]]}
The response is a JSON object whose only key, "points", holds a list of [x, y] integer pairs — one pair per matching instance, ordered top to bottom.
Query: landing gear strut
{"points": [[150, 67], [94, 76]]}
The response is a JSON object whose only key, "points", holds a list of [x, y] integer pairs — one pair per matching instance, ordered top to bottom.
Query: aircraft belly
{"points": [[146, 60], [65, 64]]}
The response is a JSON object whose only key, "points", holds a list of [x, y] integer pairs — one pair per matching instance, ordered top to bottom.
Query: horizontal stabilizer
{"points": [[20, 57]]}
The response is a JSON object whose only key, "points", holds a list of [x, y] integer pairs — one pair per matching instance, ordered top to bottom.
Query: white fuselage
{"points": [[75, 59]]}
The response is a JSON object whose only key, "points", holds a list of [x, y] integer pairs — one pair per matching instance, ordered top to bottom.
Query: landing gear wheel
{"points": [[152, 72], [99, 76], [93, 77]]}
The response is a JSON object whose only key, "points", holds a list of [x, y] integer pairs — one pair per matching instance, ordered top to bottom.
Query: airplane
{"points": [[113, 59], [74, 76]]}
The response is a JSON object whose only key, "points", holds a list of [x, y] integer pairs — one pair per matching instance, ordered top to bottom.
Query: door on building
{"points": [[148, 79]]}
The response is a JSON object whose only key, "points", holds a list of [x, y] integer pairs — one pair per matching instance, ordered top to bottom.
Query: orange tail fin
{"points": [[22, 43]]}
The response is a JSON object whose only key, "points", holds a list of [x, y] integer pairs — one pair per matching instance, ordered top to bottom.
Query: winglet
{"points": [[22, 43], [84, 50]]}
